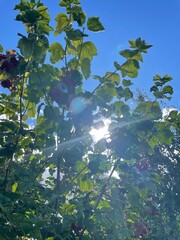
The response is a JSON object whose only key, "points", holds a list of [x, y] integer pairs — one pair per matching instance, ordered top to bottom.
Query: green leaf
{"points": [[78, 15], [62, 22], [94, 25], [44, 27], [74, 34], [132, 43], [142, 45], [26, 47], [1, 48], [87, 50], [57, 52], [132, 54], [117, 65], [86, 67], [130, 68], [113, 77], [156, 77], [166, 78], [127, 83], [154, 89], [167, 89], [127, 94], [158, 94], [116, 108], [31, 110], [150, 110], [8, 124], [165, 136], [4, 152], [85, 185], [14, 187]]}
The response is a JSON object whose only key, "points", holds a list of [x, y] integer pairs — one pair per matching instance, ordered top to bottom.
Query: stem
{"points": [[79, 52], [104, 78], [46, 97], [17, 139], [77, 175], [105, 184], [101, 193]]}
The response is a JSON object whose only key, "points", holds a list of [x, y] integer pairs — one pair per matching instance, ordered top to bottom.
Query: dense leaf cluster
{"points": [[56, 182]]}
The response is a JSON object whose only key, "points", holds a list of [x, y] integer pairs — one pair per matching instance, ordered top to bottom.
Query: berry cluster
{"points": [[8, 62], [8, 83], [63, 91], [142, 166]]}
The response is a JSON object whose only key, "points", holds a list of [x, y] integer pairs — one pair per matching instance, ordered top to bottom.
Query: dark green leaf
{"points": [[94, 24], [74, 34], [26, 47], [132, 54], [117, 66], [127, 83], [167, 90], [127, 94]]}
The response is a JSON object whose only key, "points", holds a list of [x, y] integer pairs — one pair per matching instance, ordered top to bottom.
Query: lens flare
{"points": [[78, 105], [103, 132]]}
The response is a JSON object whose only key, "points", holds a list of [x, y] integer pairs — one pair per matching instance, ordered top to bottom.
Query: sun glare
{"points": [[98, 134]]}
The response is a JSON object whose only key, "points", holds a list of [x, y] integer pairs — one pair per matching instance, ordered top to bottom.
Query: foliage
{"points": [[55, 181]]}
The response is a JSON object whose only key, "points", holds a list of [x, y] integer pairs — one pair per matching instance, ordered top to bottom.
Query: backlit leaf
{"points": [[62, 22], [87, 50], [57, 52], [86, 67], [130, 68], [113, 77], [85, 185], [14, 187]]}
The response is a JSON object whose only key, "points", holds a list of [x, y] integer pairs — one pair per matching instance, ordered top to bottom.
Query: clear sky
{"points": [[155, 21]]}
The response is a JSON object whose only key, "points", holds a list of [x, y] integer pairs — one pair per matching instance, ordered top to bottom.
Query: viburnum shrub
{"points": [[81, 164]]}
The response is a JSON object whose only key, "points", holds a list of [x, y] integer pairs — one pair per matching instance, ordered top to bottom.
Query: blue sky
{"points": [[155, 21]]}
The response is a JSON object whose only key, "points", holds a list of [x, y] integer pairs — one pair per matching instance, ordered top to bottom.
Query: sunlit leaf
{"points": [[62, 22], [1, 48], [87, 50], [57, 52], [86, 67], [130, 68], [113, 77], [14, 187]]}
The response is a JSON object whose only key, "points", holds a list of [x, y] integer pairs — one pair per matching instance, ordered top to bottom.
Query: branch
{"points": [[105, 184]]}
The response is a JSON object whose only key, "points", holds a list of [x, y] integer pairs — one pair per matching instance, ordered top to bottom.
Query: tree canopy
{"points": [[80, 164]]}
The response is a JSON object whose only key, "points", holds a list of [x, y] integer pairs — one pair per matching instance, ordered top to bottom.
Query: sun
{"points": [[98, 134]]}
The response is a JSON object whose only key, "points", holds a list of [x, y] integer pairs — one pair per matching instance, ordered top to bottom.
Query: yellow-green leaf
{"points": [[62, 22], [87, 50], [57, 52], [86, 67], [113, 77], [85, 185], [14, 187]]}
